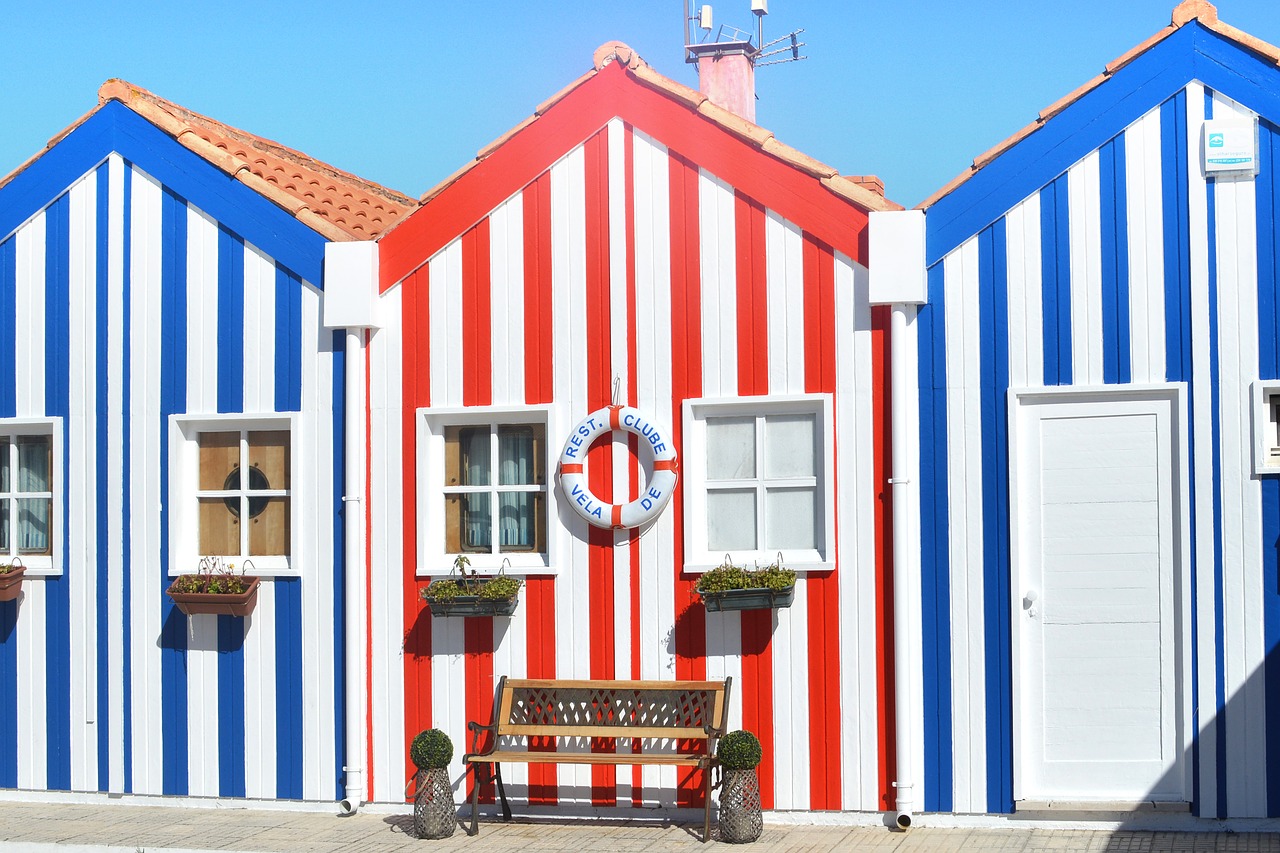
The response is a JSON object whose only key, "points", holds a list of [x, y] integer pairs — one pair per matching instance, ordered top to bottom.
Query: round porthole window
{"points": [[258, 482]]}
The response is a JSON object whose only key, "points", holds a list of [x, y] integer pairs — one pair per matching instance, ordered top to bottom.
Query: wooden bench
{"points": [[692, 714]]}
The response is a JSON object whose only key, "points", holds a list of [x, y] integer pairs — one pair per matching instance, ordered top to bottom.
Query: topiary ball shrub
{"points": [[431, 749], [739, 750]]}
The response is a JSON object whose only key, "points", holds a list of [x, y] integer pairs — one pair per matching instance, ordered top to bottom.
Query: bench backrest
{"points": [[645, 709]]}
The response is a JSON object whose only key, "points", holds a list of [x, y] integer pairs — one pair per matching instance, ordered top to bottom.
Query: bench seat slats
{"points": [[582, 684], [613, 731], [623, 758]]}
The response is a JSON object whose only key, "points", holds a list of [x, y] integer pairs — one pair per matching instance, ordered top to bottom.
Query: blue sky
{"points": [[403, 93]]}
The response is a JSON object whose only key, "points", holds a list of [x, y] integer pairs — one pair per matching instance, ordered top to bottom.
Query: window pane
{"points": [[731, 448], [789, 448], [269, 453], [466, 456], [219, 457], [34, 458], [520, 461], [4, 464], [790, 519], [731, 520], [34, 521], [522, 521], [476, 527], [219, 529], [269, 530], [5, 548]]}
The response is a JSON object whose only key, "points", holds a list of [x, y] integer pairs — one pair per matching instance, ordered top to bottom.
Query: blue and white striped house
{"points": [[160, 281], [1098, 357]]}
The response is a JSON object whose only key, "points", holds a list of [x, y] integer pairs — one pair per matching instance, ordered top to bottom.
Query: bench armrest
{"points": [[476, 730]]}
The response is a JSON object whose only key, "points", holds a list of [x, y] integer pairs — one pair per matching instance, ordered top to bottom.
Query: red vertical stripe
{"points": [[538, 364], [753, 378], [686, 382], [416, 384], [633, 444], [884, 561], [539, 593], [824, 618], [603, 625]]}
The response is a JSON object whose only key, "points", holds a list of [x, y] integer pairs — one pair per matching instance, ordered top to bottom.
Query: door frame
{"points": [[1021, 403]]}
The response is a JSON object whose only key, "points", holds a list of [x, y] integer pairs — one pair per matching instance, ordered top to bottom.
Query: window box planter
{"points": [[11, 581], [730, 587], [468, 595], [760, 598], [216, 603], [474, 605]]}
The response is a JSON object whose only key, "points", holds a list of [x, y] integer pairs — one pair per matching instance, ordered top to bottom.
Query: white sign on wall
{"points": [[1230, 146]]}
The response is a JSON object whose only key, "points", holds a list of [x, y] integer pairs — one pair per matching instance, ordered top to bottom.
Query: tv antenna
{"points": [[730, 39]]}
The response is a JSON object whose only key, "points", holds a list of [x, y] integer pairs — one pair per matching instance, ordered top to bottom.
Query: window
{"points": [[1266, 428], [29, 468], [757, 481], [483, 489], [231, 491]]}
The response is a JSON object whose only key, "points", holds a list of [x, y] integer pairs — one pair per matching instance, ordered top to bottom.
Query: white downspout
{"points": [[897, 278], [350, 303], [353, 518], [903, 634]]}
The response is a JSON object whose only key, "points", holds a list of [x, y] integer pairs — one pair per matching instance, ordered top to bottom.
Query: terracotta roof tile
{"points": [[1185, 12], [307, 188], [865, 191]]}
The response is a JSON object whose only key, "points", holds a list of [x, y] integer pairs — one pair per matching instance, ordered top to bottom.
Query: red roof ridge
{"points": [[1185, 12], [865, 191]]}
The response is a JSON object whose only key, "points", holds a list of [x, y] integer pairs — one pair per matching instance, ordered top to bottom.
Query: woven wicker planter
{"points": [[11, 583], [748, 599], [217, 604], [433, 810], [740, 818]]}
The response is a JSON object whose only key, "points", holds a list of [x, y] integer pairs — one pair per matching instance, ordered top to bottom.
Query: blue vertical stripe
{"points": [[1177, 238], [1055, 280], [993, 283], [230, 336], [288, 336], [1117, 361], [1269, 369], [173, 400], [57, 401], [102, 535], [339, 561], [935, 564], [126, 592], [8, 609], [288, 619], [1219, 628]]}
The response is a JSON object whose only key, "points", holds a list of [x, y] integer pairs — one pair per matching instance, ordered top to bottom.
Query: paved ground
{"points": [[132, 828]]}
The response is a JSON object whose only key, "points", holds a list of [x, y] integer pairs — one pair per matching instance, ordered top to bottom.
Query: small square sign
{"points": [[1230, 147]]}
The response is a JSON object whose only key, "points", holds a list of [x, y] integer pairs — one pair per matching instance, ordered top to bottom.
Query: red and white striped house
{"points": [[632, 242]]}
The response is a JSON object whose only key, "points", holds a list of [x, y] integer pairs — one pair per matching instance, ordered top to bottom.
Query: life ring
{"points": [[658, 490]]}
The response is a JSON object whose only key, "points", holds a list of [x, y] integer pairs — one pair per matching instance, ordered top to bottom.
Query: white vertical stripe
{"points": [[1145, 211], [1085, 237], [718, 251], [784, 251], [506, 264], [445, 277], [1025, 290], [202, 314], [260, 331], [28, 332], [653, 383], [910, 430], [82, 440], [114, 446], [1202, 455], [144, 476], [964, 499], [386, 544], [855, 544], [1242, 558], [202, 706], [31, 707], [791, 720]]}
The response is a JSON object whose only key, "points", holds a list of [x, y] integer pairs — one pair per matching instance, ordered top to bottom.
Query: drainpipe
{"points": [[897, 278], [350, 303]]}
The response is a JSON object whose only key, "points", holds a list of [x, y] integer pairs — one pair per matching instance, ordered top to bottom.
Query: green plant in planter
{"points": [[727, 576], [496, 588], [431, 749], [739, 750]]}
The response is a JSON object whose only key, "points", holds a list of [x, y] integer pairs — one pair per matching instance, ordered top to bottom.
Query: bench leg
{"points": [[502, 791], [475, 798], [706, 816]]}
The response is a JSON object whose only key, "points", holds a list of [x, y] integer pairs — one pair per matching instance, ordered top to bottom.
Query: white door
{"points": [[1095, 562]]}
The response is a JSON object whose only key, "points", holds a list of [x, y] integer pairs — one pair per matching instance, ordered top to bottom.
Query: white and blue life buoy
{"points": [[573, 479]]}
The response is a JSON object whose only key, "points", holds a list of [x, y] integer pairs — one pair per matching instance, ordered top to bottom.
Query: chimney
{"points": [[727, 77]]}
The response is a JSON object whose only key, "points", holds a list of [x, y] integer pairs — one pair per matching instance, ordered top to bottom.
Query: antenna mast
{"points": [[729, 39]]}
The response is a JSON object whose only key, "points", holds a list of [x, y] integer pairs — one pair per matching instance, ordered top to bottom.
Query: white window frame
{"points": [[1266, 427], [693, 465], [184, 478], [433, 559], [42, 565]]}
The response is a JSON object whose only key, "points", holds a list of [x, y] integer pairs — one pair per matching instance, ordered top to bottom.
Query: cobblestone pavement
{"points": [[61, 828]]}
